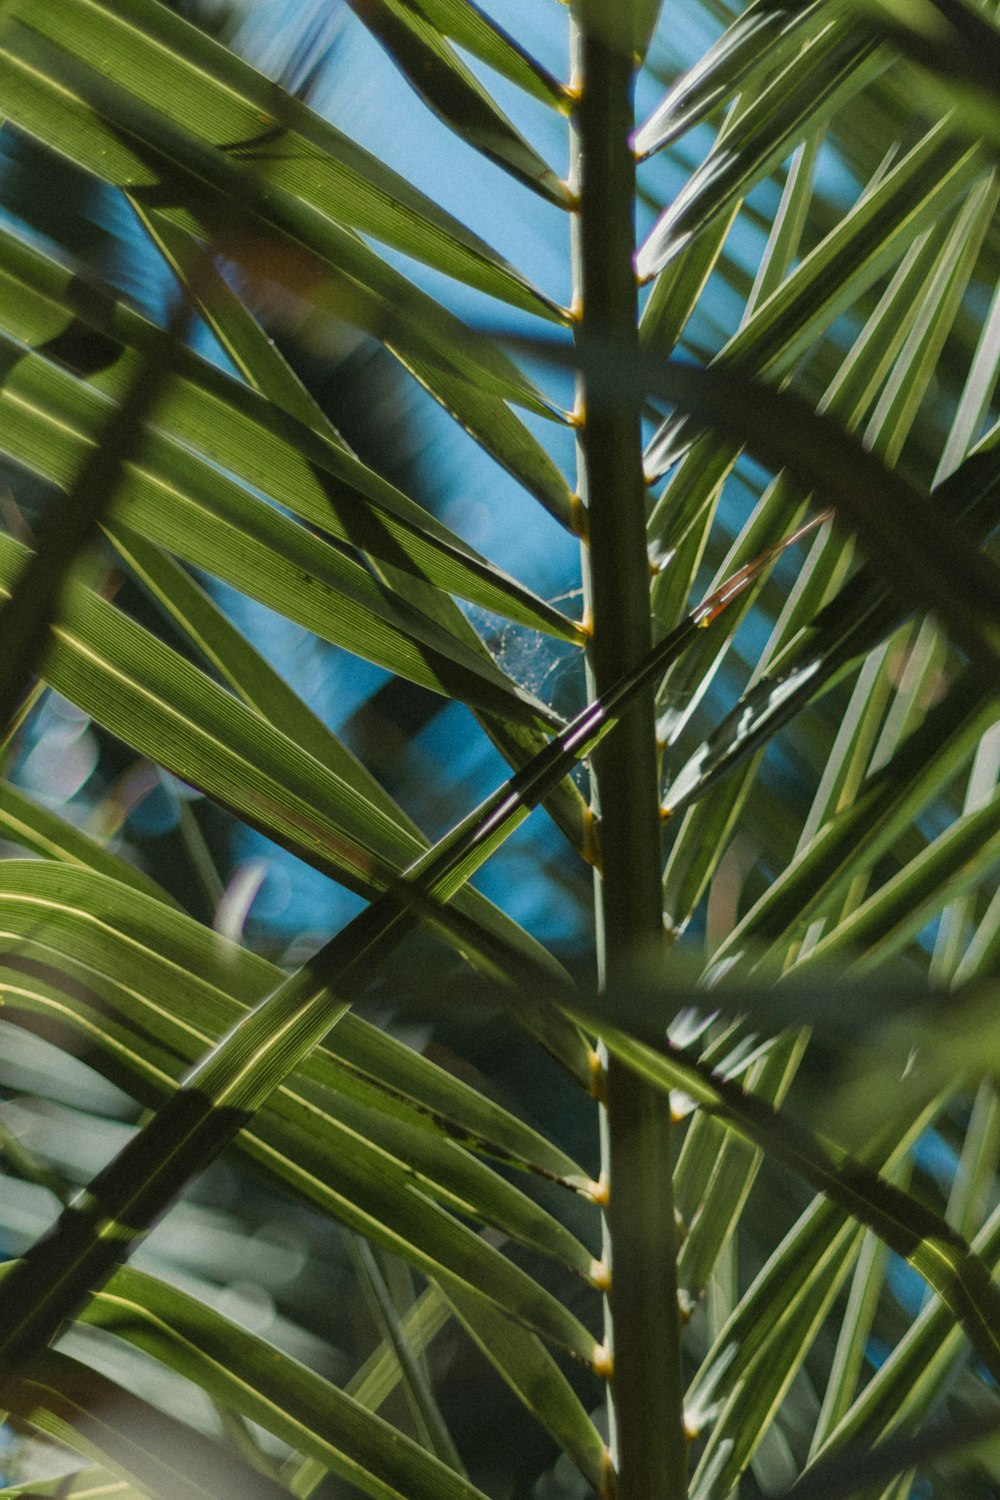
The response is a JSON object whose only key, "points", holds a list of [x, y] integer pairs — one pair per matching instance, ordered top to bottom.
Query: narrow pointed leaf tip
{"points": [[712, 606]]}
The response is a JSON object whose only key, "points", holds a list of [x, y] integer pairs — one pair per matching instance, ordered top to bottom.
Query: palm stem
{"points": [[648, 1448]]}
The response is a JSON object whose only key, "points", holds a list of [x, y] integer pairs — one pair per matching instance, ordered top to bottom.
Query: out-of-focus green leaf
{"points": [[957, 48], [35, 599], [316, 1147], [379, 1375], [272, 1389], [431, 1429], [964, 1449], [156, 1453], [87, 1484]]}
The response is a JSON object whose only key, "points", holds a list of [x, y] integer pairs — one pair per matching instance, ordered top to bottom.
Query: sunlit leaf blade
{"points": [[473, 29], [758, 39], [164, 62], [442, 80], [799, 100], [112, 134], [882, 225], [870, 239], [784, 241], [678, 288], [44, 306], [254, 352], [906, 388], [471, 401], [974, 402], [503, 436], [199, 514], [681, 541], [935, 566], [853, 623], [797, 668], [249, 675], [142, 690], [26, 823], [868, 826], [705, 832], [959, 860], [982, 951], [181, 978], [234, 1080], [347, 1149], [733, 1167], [969, 1198], [759, 1350], [848, 1363], [912, 1372], [752, 1375], [913, 1377], [536, 1380], [271, 1388], [99, 1419], [87, 1484]]}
